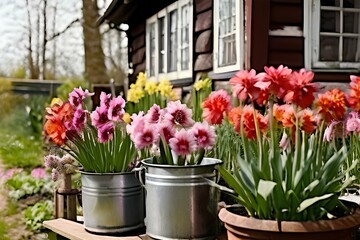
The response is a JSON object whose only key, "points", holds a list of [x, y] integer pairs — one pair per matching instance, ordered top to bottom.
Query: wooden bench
{"points": [[62, 229]]}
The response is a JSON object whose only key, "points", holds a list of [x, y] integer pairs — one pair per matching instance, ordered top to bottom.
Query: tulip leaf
{"points": [[265, 188], [310, 201]]}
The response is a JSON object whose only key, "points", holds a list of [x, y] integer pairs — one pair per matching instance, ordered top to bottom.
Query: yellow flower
{"points": [[141, 79], [199, 85], [151, 87], [164, 88], [135, 94], [173, 96], [56, 101], [126, 118]]}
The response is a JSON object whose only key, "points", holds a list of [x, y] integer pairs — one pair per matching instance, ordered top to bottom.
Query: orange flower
{"points": [[278, 79], [302, 90], [353, 97], [332, 105], [215, 106], [285, 115], [235, 118], [58, 120], [307, 121], [249, 123]]}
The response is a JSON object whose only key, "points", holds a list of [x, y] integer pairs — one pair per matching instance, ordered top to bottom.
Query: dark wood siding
{"points": [[137, 49]]}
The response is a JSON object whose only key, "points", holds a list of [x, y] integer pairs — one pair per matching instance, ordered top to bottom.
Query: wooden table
{"points": [[62, 229]]}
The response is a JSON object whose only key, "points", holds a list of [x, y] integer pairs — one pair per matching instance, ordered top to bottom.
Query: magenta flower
{"points": [[77, 96], [105, 100], [116, 109], [179, 114], [153, 116], [99, 117], [79, 119], [352, 123], [166, 131], [105, 132], [204, 135], [145, 138], [183, 143], [38, 173]]}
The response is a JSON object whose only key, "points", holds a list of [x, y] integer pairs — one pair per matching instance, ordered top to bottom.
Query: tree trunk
{"points": [[44, 41], [30, 59], [95, 70]]}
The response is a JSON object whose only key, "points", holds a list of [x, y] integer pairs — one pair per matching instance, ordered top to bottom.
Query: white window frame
{"points": [[239, 39], [312, 40], [178, 74]]}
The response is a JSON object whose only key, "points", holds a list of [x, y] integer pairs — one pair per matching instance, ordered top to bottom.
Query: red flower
{"points": [[278, 80], [248, 84], [302, 90], [353, 97], [332, 105], [215, 106], [307, 121], [249, 123]]}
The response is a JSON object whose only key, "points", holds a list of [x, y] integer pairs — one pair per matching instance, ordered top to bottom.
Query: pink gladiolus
{"points": [[77, 96], [105, 100], [116, 109], [179, 114], [153, 116], [99, 117], [79, 119], [352, 123], [137, 124], [166, 131], [105, 132], [329, 133], [204, 135], [145, 138], [284, 142], [183, 143], [38, 173]]}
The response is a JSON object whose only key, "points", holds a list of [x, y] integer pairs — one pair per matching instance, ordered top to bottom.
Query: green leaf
{"points": [[265, 188], [310, 201]]}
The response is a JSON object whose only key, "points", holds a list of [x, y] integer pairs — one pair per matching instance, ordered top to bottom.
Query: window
{"points": [[333, 34], [229, 35], [169, 42]]}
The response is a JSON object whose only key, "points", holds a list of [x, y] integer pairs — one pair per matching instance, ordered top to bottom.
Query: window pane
{"points": [[331, 3], [351, 3], [185, 18], [330, 21], [351, 22], [227, 27], [172, 41], [162, 45], [329, 48], [152, 49], [350, 49]]}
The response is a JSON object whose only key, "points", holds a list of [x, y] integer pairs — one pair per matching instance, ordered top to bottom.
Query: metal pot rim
{"points": [[147, 163], [116, 173]]}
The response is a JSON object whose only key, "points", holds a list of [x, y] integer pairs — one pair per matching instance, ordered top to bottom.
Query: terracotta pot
{"points": [[240, 227]]}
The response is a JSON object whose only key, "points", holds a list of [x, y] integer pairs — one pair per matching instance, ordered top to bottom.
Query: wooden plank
{"points": [[202, 5], [286, 14], [203, 21], [138, 42], [204, 42], [295, 44], [138, 56], [291, 59], [75, 231]]}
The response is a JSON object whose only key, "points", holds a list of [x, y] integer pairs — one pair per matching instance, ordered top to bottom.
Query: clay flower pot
{"points": [[241, 227]]}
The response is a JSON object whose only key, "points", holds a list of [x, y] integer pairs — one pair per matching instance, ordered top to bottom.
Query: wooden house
{"points": [[182, 39]]}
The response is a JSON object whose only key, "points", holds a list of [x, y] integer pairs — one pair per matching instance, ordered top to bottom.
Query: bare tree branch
{"points": [[64, 30]]}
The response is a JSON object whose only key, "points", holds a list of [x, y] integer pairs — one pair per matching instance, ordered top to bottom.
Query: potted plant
{"points": [[287, 178], [112, 196], [181, 204]]}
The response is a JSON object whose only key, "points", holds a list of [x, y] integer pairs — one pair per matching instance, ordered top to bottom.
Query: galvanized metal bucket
{"points": [[112, 202], [180, 203]]}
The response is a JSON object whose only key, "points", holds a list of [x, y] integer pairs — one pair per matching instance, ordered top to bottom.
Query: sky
{"points": [[69, 46]]}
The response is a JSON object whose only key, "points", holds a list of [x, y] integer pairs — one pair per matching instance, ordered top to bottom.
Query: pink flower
{"points": [[278, 79], [77, 96], [105, 100], [216, 106], [116, 109], [179, 114], [153, 116], [99, 117], [79, 119], [352, 122], [137, 124], [166, 131], [330, 131], [105, 132], [204, 135], [145, 138], [285, 141], [183, 143], [52, 161], [10, 173], [38, 173]]}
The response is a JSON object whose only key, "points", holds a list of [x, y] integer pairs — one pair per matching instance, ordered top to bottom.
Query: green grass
{"points": [[3, 230]]}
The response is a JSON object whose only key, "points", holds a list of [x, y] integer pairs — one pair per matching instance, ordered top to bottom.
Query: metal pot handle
{"points": [[138, 174], [218, 186]]}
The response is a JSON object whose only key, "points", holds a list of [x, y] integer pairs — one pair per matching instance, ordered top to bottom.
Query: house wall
{"points": [[136, 42]]}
